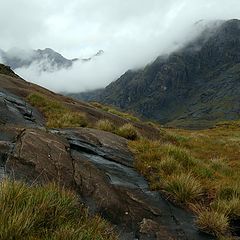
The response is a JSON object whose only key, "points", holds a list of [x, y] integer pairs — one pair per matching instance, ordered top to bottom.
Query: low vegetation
{"points": [[115, 111], [57, 115], [105, 125], [128, 131], [196, 168], [183, 188], [47, 212], [213, 222]]}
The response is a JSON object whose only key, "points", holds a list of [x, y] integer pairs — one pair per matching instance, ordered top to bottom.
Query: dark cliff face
{"points": [[193, 87]]}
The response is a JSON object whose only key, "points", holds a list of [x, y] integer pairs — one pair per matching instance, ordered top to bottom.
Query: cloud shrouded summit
{"points": [[131, 33]]}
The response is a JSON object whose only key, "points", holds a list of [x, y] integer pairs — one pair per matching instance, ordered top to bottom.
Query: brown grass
{"points": [[56, 114], [105, 125], [128, 131], [207, 158]]}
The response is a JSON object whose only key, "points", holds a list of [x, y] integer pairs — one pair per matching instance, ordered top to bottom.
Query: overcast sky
{"points": [[131, 32]]}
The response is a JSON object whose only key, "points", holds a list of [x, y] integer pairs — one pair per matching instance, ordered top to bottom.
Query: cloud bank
{"points": [[131, 33]]}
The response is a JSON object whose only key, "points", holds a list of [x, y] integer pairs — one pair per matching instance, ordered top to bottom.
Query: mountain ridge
{"points": [[47, 59], [193, 87]]}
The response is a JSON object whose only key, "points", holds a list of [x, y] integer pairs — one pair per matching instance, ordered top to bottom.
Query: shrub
{"points": [[57, 115], [105, 125], [128, 131], [183, 188], [46, 212], [212, 222]]}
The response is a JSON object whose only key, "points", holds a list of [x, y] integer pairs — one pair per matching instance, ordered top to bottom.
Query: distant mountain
{"points": [[47, 59], [192, 87]]}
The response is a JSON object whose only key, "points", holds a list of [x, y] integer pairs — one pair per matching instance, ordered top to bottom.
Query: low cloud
{"points": [[131, 33]]}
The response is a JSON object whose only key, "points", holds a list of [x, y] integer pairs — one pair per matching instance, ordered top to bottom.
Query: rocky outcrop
{"points": [[14, 110], [95, 164], [98, 166]]}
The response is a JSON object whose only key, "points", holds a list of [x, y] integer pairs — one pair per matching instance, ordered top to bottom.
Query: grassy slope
{"points": [[195, 169], [199, 170]]}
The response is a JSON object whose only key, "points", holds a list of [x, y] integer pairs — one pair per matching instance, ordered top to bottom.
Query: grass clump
{"points": [[57, 115], [105, 125], [128, 131], [181, 155], [169, 166], [183, 188], [46, 212], [212, 222]]}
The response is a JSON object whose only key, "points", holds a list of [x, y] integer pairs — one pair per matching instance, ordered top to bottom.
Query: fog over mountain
{"points": [[131, 33]]}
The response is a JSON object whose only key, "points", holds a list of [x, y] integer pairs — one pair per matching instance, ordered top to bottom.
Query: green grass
{"points": [[115, 112], [56, 114], [105, 125], [128, 131], [193, 167], [183, 188], [47, 213], [213, 222]]}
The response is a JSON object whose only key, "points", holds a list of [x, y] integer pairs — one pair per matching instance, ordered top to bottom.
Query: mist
{"points": [[132, 34]]}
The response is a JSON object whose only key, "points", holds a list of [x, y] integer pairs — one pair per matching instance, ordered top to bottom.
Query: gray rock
{"points": [[14, 110]]}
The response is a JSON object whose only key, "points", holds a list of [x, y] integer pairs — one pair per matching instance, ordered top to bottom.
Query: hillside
{"points": [[193, 87], [148, 182]]}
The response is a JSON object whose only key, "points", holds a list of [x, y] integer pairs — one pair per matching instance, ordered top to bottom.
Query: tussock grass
{"points": [[57, 115], [105, 125], [128, 131], [181, 155], [169, 166], [196, 167], [183, 188], [230, 207], [46, 212], [213, 222]]}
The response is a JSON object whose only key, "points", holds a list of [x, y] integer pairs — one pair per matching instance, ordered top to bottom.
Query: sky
{"points": [[132, 33]]}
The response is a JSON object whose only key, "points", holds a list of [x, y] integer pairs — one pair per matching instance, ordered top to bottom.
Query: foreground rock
{"points": [[14, 110], [98, 166]]}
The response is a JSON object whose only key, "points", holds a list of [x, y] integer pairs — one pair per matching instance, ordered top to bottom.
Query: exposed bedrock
{"points": [[98, 166]]}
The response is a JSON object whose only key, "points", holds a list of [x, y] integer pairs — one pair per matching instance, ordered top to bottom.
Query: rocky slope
{"points": [[193, 87], [97, 165]]}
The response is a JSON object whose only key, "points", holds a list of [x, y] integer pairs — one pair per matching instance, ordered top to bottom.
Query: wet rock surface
{"points": [[14, 110], [98, 166]]}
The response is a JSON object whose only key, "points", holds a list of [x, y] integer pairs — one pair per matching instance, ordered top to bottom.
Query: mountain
{"points": [[46, 59], [193, 87], [46, 137], [185, 187]]}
